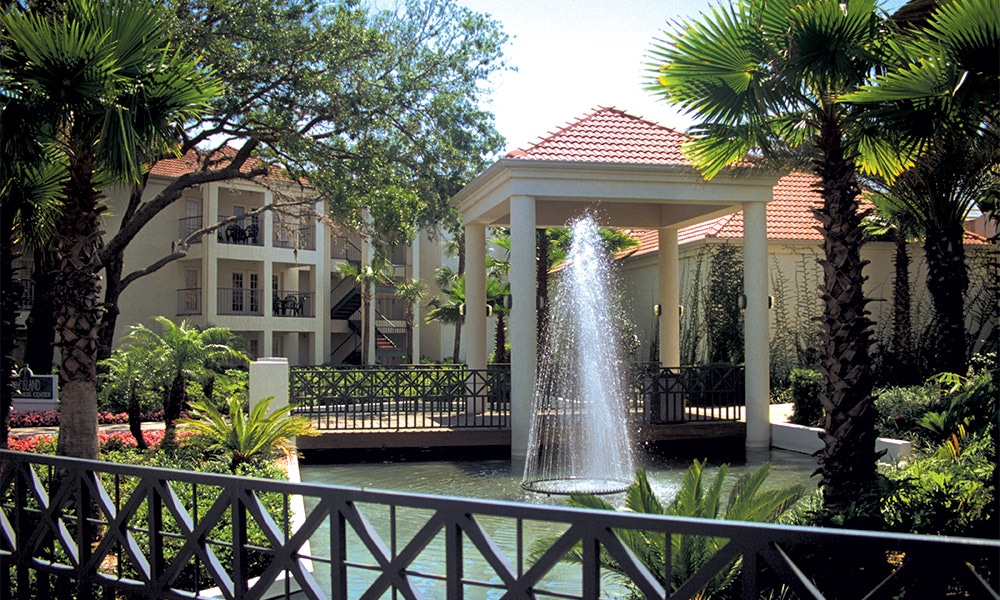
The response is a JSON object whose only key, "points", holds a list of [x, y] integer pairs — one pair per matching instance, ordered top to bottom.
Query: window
{"points": [[237, 292]]}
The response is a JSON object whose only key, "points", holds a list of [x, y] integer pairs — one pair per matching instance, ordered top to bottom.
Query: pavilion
{"points": [[629, 173]]}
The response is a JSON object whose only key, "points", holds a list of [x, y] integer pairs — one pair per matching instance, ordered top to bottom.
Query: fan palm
{"points": [[944, 74], [767, 76], [112, 91], [367, 276], [411, 292], [448, 309], [182, 353], [245, 437], [695, 498]]}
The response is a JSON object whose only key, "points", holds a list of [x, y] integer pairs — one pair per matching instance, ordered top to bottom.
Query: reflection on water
{"points": [[488, 479]]}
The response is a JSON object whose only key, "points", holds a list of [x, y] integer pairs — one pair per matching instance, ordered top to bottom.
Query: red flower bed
{"points": [[50, 418], [110, 440]]}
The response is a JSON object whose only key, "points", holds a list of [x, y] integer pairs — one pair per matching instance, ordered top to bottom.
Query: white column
{"points": [[415, 250], [211, 293], [475, 296], [670, 298], [523, 322], [756, 325], [369, 336]]}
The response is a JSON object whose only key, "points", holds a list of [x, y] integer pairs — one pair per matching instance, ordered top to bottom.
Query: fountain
{"points": [[579, 439]]}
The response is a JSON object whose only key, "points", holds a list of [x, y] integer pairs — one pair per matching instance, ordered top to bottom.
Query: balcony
{"points": [[246, 231], [296, 236], [346, 248], [188, 301], [241, 301], [287, 303]]}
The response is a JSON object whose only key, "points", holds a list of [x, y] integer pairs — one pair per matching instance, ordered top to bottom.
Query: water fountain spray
{"points": [[579, 439]]}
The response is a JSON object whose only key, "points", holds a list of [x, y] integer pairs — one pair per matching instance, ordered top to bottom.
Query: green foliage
{"points": [[723, 316], [793, 342], [807, 385], [242, 438], [949, 492], [697, 498]]}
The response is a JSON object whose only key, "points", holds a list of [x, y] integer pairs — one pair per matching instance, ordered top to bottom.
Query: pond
{"points": [[493, 479]]}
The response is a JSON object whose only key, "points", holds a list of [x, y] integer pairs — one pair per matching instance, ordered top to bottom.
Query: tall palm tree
{"points": [[943, 73], [767, 76], [114, 92], [367, 276], [411, 292], [448, 309], [183, 353]]}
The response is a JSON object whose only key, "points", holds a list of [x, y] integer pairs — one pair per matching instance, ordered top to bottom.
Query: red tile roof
{"points": [[608, 134], [193, 160], [789, 217]]}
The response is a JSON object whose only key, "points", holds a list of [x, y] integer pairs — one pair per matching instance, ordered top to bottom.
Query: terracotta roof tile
{"points": [[608, 134], [193, 160], [789, 217]]}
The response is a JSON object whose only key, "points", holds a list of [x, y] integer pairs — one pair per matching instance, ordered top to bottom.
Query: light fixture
{"points": [[508, 301], [461, 309], [657, 309], [489, 310], [680, 310]]}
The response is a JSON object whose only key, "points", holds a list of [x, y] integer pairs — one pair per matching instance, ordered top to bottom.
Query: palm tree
{"points": [[943, 75], [768, 77], [113, 92], [367, 276], [411, 292], [449, 309], [183, 353], [129, 371], [245, 437], [695, 498]]}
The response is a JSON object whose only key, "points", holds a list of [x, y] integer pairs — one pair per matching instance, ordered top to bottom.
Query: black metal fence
{"points": [[446, 396], [405, 397], [84, 529]]}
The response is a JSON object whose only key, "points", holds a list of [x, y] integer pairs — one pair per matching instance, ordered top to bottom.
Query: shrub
{"points": [[807, 385], [950, 492]]}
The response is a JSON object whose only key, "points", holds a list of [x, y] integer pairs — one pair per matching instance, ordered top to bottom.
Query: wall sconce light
{"points": [[508, 301], [743, 301], [461, 309], [657, 309], [489, 310], [680, 310]]}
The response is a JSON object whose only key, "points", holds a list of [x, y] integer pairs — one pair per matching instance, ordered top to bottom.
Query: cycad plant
{"points": [[245, 437], [688, 553]]}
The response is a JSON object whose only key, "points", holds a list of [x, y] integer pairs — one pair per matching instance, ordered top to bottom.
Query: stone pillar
{"points": [[669, 295], [475, 296], [475, 307], [523, 322], [756, 326], [269, 377]]}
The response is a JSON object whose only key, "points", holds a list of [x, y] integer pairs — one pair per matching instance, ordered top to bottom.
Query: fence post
{"points": [[269, 377]]}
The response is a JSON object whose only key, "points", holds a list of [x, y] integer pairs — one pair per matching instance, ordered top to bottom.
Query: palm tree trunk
{"points": [[947, 282], [77, 293], [10, 302], [41, 323], [902, 336], [174, 402], [847, 462]]}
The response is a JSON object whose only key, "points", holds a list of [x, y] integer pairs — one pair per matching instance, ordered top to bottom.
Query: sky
{"points": [[572, 56]]}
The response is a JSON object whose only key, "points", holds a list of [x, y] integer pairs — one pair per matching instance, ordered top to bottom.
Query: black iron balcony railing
{"points": [[246, 231], [295, 235], [346, 248], [27, 298], [189, 301], [240, 301], [286, 303], [406, 397], [87, 529]]}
